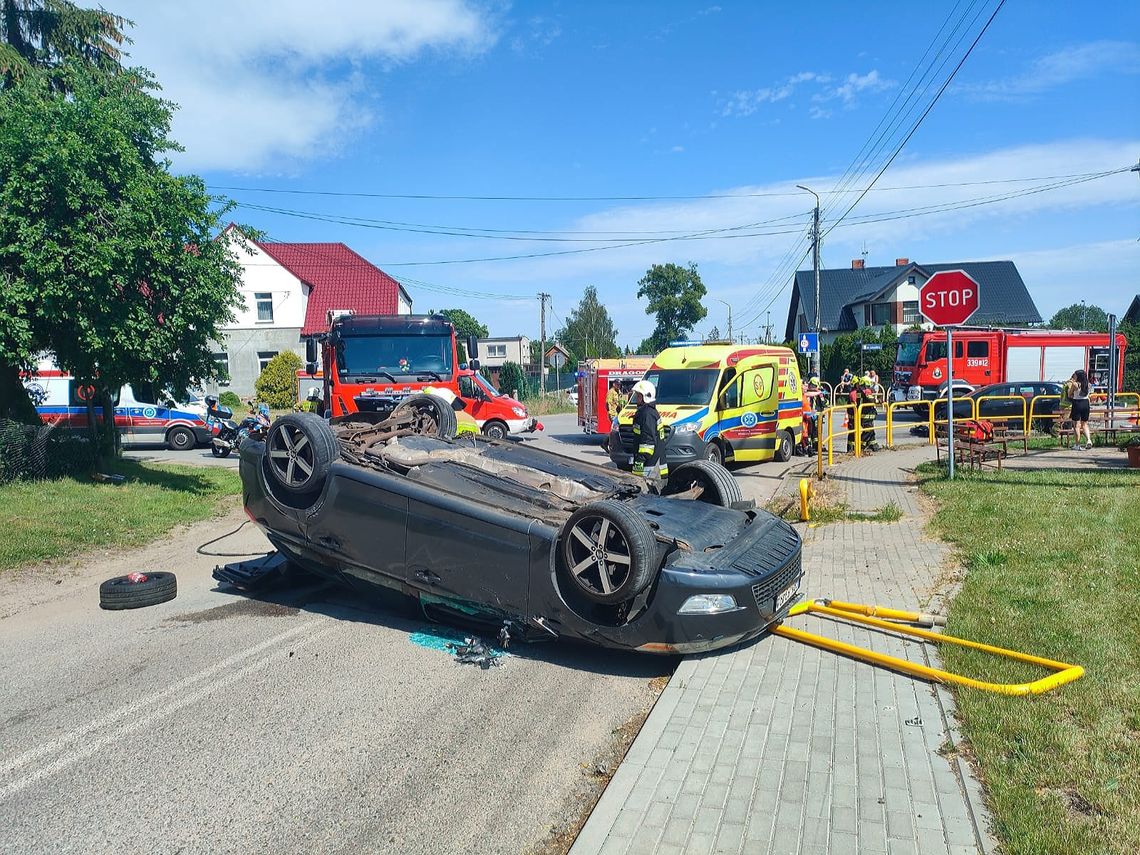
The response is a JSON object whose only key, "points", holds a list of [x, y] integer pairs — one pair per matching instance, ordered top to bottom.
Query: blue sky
{"points": [[732, 104]]}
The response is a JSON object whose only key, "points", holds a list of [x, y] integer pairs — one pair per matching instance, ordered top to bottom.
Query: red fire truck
{"points": [[985, 356], [372, 362], [594, 377]]}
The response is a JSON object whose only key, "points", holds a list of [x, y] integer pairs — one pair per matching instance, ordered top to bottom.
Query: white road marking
{"points": [[137, 706]]}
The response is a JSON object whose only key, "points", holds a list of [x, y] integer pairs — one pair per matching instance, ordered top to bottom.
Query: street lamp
{"points": [[815, 264], [729, 305]]}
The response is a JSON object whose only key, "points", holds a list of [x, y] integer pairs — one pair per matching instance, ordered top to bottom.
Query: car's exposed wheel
{"points": [[431, 416], [495, 430], [180, 439], [785, 444], [299, 450], [714, 454], [717, 486], [609, 552], [137, 590]]}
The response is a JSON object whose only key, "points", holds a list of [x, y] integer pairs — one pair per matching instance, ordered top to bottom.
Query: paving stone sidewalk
{"points": [[778, 747]]}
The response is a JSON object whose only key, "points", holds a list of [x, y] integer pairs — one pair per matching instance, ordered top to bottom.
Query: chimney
{"points": [[902, 262], [857, 263]]}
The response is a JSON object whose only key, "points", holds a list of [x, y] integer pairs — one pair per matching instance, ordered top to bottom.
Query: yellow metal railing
{"points": [[980, 414], [854, 612]]}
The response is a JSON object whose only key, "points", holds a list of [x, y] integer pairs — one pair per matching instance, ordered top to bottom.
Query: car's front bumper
{"points": [[527, 425], [680, 447]]}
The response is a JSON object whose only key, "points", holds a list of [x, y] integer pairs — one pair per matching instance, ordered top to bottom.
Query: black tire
{"points": [[433, 416], [495, 430], [180, 439], [785, 444], [299, 451], [220, 452], [714, 454], [718, 487], [607, 530], [121, 593]]}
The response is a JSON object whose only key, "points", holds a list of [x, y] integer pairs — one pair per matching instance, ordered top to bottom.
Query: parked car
{"points": [[1008, 409], [514, 537]]}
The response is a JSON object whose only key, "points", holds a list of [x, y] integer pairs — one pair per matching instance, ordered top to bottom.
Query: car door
{"points": [[475, 403], [755, 439], [462, 547]]}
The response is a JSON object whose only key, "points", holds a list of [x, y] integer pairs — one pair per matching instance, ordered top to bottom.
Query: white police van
{"points": [[143, 414]]}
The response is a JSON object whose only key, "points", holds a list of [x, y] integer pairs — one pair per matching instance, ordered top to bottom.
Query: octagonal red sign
{"points": [[948, 298]]}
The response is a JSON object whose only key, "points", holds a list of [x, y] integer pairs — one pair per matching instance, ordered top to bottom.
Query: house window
{"points": [[910, 280], [264, 307], [910, 312], [880, 314], [497, 350], [263, 357]]}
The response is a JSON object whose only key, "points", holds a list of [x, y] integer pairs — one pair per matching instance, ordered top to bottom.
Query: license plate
{"points": [[786, 596]]}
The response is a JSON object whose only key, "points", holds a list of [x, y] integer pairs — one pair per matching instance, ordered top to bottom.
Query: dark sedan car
{"points": [[1011, 404], [512, 536]]}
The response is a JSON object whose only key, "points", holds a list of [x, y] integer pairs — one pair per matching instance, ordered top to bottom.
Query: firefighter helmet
{"points": [[647, 391]]}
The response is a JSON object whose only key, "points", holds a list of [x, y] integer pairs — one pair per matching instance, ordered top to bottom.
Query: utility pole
{"points": [[815, 264], [542, 298], [729, 305], [768, 328]]}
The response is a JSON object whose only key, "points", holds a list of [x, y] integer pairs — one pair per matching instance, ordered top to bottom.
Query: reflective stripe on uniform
{"points": [[645, 449], [638, 468]]}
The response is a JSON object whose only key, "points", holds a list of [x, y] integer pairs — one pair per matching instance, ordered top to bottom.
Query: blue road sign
{"points": [[809, 342], [872, 347]]}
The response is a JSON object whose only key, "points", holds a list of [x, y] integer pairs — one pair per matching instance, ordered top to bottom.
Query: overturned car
{"points": [[514, 537]]}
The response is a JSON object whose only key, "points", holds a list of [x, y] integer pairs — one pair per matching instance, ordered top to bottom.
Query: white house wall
{"points": [[261, 274]]}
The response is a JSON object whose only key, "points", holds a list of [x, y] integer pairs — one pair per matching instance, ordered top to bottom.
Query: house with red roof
{"points": [[289, 289]]}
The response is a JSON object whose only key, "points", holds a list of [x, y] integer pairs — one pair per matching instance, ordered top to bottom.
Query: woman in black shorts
{"points": [[1079, 394]]}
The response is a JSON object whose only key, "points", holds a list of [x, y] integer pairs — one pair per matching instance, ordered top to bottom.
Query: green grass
{"points": [[58, 519], [1053, 564]]}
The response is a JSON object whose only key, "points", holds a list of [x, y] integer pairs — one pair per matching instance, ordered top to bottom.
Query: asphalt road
{"points": [[302, 719], [306, 719]]}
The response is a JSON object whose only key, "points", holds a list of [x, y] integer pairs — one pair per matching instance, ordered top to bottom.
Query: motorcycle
{"points": [[230, 433]]}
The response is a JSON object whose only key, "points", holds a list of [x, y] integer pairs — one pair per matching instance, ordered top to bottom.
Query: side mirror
{"points": [[472, 348], [311, 356]]}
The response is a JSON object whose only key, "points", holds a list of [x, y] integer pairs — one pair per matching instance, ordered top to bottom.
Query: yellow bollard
{"points": [[806, 493]]}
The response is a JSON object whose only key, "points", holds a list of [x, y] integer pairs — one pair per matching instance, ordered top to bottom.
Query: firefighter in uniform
{"points": [[613, 400], [649, 433]]}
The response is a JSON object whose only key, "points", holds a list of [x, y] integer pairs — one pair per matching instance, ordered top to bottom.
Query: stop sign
{"points": [[948, 298]]}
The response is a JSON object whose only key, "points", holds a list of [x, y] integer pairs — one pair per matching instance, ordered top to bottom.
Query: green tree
{"points": [[43, 34], [107, 260], [674, 295], [1080, 317], [465, 325], [589, 330], [845, 352], [512, 380], [276, 385]]}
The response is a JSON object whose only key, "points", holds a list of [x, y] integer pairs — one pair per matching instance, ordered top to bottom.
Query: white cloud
{"points": [[1079, 62], [261, 84], [847, 91], [745, 102], [1026, 229], [1103, 272]]}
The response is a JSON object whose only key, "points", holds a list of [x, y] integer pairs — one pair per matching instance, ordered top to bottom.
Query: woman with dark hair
{"points": [[1078, 388]]}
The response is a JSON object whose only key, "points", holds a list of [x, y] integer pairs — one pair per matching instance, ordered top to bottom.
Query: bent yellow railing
{"points": [[857, 613]]}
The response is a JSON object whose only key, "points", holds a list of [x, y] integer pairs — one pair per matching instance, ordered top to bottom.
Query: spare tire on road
{"points": [[122, 593]]}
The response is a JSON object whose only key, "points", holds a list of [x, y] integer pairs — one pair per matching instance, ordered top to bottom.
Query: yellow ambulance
{"points": [[720, 402]]}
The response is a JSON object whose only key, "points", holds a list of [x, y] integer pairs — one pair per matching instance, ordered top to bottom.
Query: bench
{"points": [[1102, 424], [977, 452]]}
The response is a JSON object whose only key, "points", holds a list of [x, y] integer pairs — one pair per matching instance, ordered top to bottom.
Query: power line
{"points": [[920, 119], [646, 198]]}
